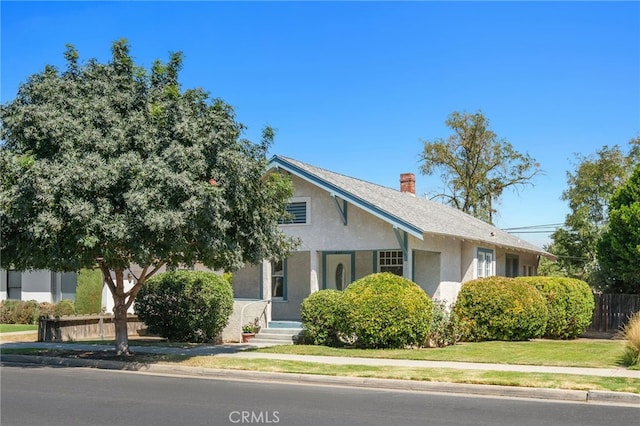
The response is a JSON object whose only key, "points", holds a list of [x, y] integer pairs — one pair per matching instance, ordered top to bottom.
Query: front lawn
{"points": [[8, 328], [566, 353]]}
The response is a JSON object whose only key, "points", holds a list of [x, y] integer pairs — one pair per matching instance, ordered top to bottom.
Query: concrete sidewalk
{"points": [[243, 351]]}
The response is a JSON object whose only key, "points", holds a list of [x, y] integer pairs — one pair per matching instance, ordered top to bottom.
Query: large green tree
{"points": [[114, 165], [476, 166], [590, 187], [619, 247]]}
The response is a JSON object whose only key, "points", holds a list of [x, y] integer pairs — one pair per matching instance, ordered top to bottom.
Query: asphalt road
{"points": [[42, 395]]}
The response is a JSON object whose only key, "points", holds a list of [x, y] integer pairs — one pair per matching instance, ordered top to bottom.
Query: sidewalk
{"points": [[241, 351]]}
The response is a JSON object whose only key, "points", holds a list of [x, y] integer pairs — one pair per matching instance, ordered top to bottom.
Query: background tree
{"points": [[114, 165], [476, 166], [590, 188], [619, 247]]}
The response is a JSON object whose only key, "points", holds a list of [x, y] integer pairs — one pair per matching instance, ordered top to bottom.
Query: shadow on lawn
{"points": [[103, 355]]}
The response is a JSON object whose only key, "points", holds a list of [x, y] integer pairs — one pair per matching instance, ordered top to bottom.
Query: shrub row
{"points": [[570, 304], [187, 306], [500, 308], [28, 311], [378, 311]]}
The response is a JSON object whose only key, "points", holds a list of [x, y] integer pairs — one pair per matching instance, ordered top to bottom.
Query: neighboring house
{"points": [[351, 228], [40, 285]]}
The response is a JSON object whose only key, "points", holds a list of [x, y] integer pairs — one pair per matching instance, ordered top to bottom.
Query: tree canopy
{"points": [[114, 165], [476, 166], [590, 187], [619, 247]]}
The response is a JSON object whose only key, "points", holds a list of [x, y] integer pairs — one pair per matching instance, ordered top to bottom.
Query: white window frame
{"points": [[307, 201], [390, 259], [485, 263], [282, 275]]}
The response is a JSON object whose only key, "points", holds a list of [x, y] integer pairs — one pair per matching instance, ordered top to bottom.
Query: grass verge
{"points": [[9, 328], [563, 353], [536, 380]]}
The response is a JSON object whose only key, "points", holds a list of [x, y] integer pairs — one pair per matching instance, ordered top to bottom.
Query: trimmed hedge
{"points": [[89, 292], [570, 303], [188, 306], [500, 308], [28, 311], [386, 311], [322, 314]]}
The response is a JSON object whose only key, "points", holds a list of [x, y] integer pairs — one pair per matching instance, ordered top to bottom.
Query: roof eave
{"points": [[277, 162]]}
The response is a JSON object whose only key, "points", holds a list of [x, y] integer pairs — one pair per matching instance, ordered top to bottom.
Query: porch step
{"points": [[277, 335]]}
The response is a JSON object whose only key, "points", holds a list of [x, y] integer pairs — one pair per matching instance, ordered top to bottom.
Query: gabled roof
{"points": [[415, 215]]}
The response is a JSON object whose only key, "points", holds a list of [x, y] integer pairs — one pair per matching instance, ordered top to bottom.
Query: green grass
{"points": [[8, 328], [476, 352], [565, 353], [537, 380]]}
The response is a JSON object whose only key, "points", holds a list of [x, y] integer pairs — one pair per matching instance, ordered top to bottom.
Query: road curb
{"points": [[395, 384]]}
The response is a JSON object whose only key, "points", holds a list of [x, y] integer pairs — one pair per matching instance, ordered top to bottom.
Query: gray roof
{"points": [[416, 215]]}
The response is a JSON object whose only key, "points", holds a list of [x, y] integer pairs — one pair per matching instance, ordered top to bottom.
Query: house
{"points": [[350, 228], [39, 285]]}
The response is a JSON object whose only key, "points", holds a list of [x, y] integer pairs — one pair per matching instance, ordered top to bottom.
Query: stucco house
{"points": [[351, 228], [38, 285]]}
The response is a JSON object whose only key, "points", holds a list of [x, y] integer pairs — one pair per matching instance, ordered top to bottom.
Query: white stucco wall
{"points": [[442, 262], [3, 284], [36, 285], [107, 298]]}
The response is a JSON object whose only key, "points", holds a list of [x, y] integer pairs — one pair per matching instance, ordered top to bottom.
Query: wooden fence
{"points": [[613, 310]]}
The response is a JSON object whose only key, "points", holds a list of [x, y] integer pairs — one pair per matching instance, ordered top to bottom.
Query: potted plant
{"points": [[250, 329]]}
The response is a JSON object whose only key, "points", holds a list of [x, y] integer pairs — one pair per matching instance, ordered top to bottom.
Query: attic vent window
{"points": [[298, 212]]}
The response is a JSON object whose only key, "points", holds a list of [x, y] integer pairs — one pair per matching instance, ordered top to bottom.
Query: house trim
{"points": [[277, 163]]}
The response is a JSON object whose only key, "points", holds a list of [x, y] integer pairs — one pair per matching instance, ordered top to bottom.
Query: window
{"points": [[298, 212], [391, 261], [485, 263], [511, 267], [528, 270], [277, 279], [68, 284], [14, 285]]}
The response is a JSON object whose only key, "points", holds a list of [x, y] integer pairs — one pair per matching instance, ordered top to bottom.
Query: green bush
{"points": [[89, 292], [570, 304], [189, 306], [7, 307], [63, 308], [500, 308], [46, 309], [19, 311], [28, 311], [386, 311], [322, 313]]}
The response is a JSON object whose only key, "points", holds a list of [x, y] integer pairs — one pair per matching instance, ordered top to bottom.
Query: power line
{"points": [[533, 227]]}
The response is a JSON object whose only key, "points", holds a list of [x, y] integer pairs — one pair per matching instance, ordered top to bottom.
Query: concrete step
{"points": [[286, 331], [280, 336]]}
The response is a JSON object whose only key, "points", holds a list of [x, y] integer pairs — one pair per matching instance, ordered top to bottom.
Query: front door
{"points": [[338, 271]]}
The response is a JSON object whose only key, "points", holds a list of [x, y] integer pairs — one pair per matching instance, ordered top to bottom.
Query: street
{"points": [[39, 395]]}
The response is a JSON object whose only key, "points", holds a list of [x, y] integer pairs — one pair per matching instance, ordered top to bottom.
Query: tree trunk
{"points": [[122, 300], [119, 306], [120, 314], [120, 322]]}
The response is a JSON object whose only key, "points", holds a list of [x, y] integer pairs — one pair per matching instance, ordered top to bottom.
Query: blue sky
{"points": [[357, 87]]}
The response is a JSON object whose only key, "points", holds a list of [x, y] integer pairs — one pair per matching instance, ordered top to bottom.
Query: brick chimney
{"points": [[408, 183]]}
